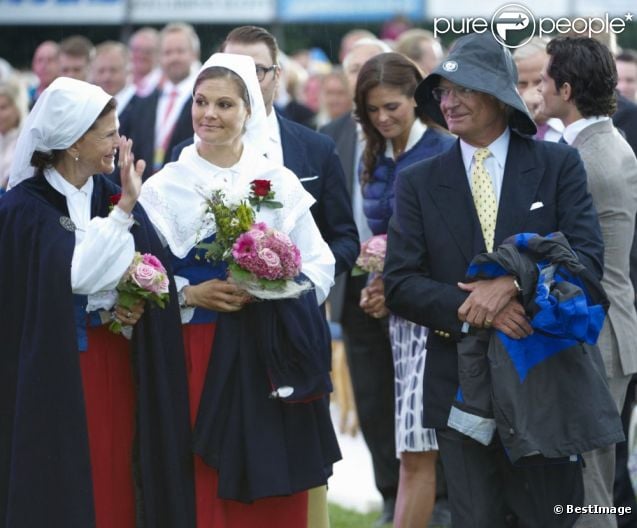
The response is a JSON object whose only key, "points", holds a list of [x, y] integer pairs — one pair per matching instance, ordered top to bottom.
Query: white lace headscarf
{"points": [[61, 115], [256, 133]]}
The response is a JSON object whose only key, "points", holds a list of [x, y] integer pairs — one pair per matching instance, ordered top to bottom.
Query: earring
{"points": [[77, 158]]}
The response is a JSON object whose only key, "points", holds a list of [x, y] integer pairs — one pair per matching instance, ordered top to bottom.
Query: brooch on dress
{"points": [[67, 223]]}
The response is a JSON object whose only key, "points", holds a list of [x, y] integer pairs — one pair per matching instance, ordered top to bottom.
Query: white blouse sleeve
{"points": [[103, 255], [317, 259], [186, 312]]}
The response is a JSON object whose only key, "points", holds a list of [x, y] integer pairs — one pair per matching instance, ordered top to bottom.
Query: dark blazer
{"points": [[625, 118], [139, 125], [343, 131], [314, 160], [435, 233]]}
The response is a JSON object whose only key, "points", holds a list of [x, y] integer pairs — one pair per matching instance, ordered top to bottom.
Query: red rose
{"points": [[261, 187], [114, 199]]}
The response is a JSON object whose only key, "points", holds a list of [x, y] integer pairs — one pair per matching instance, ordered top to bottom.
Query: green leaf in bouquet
{"points": [[246, 217], [214, 250], [357, 271], [239, 274], [272, 284], [126, 296], [159, 300]]}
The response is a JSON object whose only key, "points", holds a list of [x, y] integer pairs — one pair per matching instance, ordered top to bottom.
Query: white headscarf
{"points": [[61, 116], [256, 133]]}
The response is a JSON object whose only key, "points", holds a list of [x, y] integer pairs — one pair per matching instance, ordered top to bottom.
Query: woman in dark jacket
{"points": [[397, 136], [94, 427]]}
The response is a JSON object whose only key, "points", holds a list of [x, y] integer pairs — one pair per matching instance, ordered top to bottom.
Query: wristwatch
{"points": [[181, 297]]}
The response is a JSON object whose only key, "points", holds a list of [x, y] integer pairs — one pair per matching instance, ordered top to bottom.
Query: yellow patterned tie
{"points": [[484, 196]]}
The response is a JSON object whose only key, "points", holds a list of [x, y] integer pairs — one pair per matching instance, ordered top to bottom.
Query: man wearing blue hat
{"points": [[496, 182]]}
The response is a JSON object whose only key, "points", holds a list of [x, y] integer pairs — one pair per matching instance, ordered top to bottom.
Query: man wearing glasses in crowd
{"points": [[495, 183]]}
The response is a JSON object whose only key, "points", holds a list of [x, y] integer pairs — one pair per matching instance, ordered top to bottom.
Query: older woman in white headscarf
{"points": [[229, 123], [70, 392]]}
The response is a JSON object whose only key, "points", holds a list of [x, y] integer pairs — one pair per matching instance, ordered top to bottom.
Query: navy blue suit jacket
{"points": [[138, 124], [314, 160], [435, 233]]}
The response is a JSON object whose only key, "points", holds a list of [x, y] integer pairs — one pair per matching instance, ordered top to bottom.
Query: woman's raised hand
{"points": [[130, 175]]}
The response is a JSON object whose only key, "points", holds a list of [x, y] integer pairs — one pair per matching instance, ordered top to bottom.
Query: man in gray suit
{"points": [[578, 87]]}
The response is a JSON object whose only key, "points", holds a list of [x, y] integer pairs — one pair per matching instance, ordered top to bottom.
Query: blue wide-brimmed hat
{"points": [[479, 62]]}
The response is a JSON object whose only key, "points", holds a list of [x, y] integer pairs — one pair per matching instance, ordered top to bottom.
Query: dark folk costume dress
{"points": [[208, 362], [93, 428], [258, 456]]}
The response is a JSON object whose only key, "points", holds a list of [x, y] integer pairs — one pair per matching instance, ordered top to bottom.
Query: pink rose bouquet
{"points": [[372, 256], [261, 260], [266, 262], [146, 279]]}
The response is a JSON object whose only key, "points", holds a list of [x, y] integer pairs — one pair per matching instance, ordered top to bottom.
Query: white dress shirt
{"points": [[148, 83], [123, 97], [165, 123], [555, 130], [274, 146], [494, 164], [104, 247]]}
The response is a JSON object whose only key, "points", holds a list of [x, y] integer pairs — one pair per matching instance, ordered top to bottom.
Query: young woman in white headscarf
{"points": [[92, 431], [256, 453]]}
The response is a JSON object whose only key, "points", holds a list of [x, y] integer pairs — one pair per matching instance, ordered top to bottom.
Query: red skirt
{"points": [[109, 396], [213, 512]]}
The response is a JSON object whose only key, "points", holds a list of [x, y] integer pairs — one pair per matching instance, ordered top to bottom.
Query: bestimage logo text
{"points": [[513, 25]]}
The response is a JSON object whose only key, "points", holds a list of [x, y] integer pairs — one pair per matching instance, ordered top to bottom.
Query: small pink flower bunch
{"points": [[267, 255], [372, 256], [149, 273], [146, 279]]}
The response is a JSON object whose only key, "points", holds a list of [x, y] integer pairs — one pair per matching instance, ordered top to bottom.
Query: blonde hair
{"points": [[186, 29], [14, 89]]}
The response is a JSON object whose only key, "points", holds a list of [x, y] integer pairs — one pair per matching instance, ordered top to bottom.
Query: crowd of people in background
{"points": [[391, 140]]}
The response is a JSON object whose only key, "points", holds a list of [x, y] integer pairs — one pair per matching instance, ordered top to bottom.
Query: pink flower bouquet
{"points": [[372, 256], [265, 263], [145, 279]]}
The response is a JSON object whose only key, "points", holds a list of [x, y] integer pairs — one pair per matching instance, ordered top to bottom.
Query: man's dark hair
{"points": [[252, 35], [589, 68]]}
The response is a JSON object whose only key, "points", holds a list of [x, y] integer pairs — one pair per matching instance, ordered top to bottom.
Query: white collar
{"points": [[183, 87], [124, 96], [555, 124], [418, 128], [274, 130], [571, 131], [497, 148], [64, 187]]}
